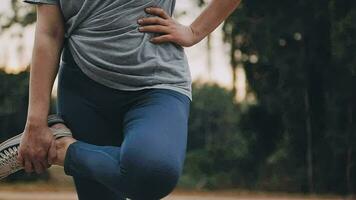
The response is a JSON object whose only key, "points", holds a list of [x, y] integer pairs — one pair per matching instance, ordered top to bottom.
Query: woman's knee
{"points": [[152, 177]]}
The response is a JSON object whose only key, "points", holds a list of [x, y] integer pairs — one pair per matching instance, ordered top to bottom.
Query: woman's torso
{"points": [[106, 44]]}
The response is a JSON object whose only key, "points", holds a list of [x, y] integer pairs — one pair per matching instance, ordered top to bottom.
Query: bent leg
{"points": [[153, 151], [148, 164]]}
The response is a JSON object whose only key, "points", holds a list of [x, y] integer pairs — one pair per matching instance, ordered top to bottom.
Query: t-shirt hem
{"points": [[52, 2], [117, 86], [172, 87]]}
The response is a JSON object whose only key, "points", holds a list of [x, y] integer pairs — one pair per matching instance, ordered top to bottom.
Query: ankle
{"points": [[62, 145]]}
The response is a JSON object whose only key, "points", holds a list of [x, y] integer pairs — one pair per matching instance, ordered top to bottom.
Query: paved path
{"points": [[71, 196]]}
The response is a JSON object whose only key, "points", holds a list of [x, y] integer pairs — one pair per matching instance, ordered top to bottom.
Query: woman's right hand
{"points": [[37, 149]]}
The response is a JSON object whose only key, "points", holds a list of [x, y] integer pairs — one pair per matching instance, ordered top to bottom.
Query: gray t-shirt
{"points": [[105, 42]]}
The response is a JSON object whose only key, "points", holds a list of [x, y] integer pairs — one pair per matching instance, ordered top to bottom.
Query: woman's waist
{"points": [[133, 50], [167, 58]]}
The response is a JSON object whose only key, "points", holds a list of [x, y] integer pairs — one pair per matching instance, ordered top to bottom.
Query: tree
{"points": [[21, 14], [294, 78], [215, 145]]}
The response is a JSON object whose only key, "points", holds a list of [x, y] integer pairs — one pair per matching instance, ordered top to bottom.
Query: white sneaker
{"points": [[9, 148]]}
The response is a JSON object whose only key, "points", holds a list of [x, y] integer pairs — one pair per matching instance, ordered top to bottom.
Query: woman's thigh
{"points": [[87, 107], [155, 140]]}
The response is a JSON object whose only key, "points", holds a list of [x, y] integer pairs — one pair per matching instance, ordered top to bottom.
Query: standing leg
{"points": [[80, 106], [89, 189]]}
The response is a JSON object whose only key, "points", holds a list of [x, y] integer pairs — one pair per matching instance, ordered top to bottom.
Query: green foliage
{"points": [[304, 77], [13, 103], [215, 145]]}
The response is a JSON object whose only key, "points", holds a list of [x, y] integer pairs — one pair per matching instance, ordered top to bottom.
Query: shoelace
{"points": [[9, 158]]}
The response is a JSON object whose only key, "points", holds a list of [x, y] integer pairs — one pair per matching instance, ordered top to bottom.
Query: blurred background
{"points": [[274, 101]]}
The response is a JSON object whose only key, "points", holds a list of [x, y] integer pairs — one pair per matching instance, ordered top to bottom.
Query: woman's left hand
{"points": [[172, 30]]}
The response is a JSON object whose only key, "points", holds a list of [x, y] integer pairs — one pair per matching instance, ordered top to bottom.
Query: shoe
{"points": [[9, 148]]}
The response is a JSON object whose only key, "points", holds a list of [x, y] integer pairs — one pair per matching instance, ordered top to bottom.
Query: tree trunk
{"points": [[209, 56], [233, 66], [234, 80], [349, 151], [309, 153]]}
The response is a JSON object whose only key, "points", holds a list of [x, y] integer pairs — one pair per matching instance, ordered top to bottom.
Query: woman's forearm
{"points": [[212, 16], [44, 66]]}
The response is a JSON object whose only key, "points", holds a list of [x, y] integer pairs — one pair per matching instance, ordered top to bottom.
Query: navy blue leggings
{"points": [[131, 144]]}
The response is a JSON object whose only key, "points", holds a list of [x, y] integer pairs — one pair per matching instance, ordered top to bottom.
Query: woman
{"points": [[124, 91]]}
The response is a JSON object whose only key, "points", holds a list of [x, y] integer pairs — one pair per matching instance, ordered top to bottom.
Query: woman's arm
{"points": [[211, 17], [36, 149]]}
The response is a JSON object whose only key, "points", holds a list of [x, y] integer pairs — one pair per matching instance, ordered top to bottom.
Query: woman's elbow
{"points": [[50, 22]]}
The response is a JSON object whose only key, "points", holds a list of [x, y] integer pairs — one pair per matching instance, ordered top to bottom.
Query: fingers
{"points": [[157, 11], [153, 20], [160, 24], [154, 29], [162, 39], [34, 150], [52, 153], [20, 159], [23, 159], [36, 163], [44, 165], [28, 166], [39, 168]]}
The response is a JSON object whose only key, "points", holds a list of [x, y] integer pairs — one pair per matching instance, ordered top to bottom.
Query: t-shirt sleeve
{"points": [[53, 2]]}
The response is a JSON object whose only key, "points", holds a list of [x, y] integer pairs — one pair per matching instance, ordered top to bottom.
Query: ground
{"points": [[61, 188], [48, 192]]}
